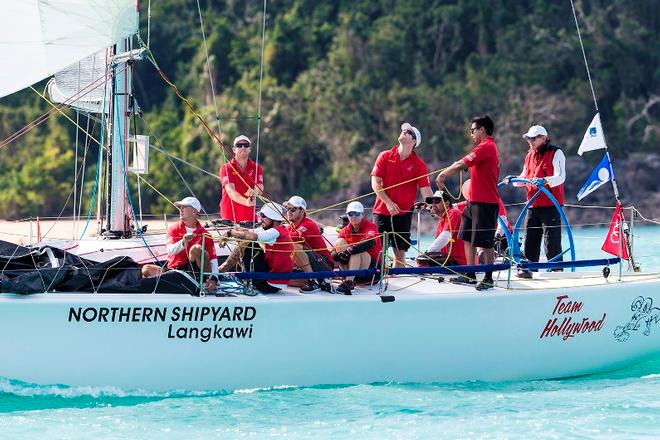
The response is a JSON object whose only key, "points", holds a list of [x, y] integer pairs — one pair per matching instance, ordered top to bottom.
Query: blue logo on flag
{"points": [[593, 131]]}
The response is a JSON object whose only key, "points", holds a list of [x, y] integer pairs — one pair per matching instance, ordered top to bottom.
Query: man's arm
{"points": [[559, 166], [454, 168], [377, 186], [236, 196], [440, 241]]}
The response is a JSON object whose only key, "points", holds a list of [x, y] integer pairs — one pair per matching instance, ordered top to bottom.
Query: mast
{"points": [[117, 221]]}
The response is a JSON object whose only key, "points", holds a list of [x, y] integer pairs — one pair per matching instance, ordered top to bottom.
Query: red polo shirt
{"points": [[484, 164], [393, 171], [243, 179], [451, 222], [365, 231], [176, 232], [309, 233]]}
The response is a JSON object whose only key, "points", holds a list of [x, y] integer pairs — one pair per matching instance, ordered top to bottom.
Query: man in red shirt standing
{"points": [[545, 165], [397, 174], [241, 179], [480, 215], [358, 245], [184, 246], [447, 248], [264, 249], [311, 251]]}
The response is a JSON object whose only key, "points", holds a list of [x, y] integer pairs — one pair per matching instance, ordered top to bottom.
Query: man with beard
{"points": [[264, 249]]}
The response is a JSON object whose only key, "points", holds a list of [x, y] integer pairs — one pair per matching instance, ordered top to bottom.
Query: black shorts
{"points": [[396, 223], [478, 224], [318, 261]]}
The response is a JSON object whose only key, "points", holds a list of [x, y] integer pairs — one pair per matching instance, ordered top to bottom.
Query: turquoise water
{"points": [[623, 404]]}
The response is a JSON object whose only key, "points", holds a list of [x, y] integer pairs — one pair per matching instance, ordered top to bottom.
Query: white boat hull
{"points": [[430, 333]]}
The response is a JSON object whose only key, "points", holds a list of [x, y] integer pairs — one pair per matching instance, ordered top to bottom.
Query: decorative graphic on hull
{"points": [[644, 313]]}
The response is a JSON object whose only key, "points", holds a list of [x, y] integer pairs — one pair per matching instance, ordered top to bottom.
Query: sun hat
{"points": [[534, 130], [418, 134], [242, 138], [189, 201], [297, 202], [355, 207], [273, 211]]}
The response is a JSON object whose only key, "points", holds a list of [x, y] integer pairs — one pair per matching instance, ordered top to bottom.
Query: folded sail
{"points": [[41, 37], [81, 85]]}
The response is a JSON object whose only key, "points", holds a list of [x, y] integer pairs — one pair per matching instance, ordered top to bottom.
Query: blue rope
{"points": [[98, 166], [128, 189]]}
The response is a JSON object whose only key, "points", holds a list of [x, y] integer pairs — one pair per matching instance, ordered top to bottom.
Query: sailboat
{"points": [[407, 327]]}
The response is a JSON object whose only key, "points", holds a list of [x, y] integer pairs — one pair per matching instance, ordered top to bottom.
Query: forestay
{"points": [[41, 37]]}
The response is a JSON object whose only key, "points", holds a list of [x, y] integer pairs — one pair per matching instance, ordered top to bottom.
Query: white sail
{"points": [[41, 37]]}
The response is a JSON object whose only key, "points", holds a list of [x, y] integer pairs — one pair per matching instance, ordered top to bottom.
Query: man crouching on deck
{"points": [[184, 246], [358, 246], [265, 249]]}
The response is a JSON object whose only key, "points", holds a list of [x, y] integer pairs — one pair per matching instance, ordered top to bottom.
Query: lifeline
{"points": [[160, 314]]}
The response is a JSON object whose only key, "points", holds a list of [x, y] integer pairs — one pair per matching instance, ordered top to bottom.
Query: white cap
{"points": [[534, 130], [418, 135], [242, 138], [438, 195], [189, 201], [297, 202], [355, 206], [273, 211]]}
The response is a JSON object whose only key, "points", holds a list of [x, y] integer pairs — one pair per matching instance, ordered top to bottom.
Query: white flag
{"points": [[593, 139]]}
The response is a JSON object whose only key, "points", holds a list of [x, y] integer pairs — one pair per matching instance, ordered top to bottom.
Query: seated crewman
{"points": [[358, 245], [184, 246], [446, 248], [264, 249], [311, 253]]}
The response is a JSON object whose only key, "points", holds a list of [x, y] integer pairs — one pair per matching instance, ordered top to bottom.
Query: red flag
{"points": [[611, 245]]}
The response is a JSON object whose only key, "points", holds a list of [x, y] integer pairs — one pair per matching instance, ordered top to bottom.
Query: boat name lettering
{"points": [[160, 314], [568, 327], [205, 334]]}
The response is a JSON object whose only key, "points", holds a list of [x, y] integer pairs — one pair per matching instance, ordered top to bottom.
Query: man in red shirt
{"points": [[545, 164], [397, 174], [241, 179], [480, 215], [358, 245], [184, 246], [447, 248], [265, 249], [311, 251]]}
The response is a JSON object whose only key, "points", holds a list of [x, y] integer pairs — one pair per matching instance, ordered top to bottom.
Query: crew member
{"points": [[545, 165], [397, 174], [241, 180], [480, 215], [358, 245], [184, 246], [447, 248], [264, 249], [311, 252]]}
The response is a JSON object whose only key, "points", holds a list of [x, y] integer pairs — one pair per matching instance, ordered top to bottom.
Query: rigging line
{"points": [[584, 56], [208, 66], [259, 96], [59, 109], [48, 114], [199, 117], [170, 155]]}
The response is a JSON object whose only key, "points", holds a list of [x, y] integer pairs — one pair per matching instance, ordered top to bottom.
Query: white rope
{"points": [[584, 56], [261, 78]]}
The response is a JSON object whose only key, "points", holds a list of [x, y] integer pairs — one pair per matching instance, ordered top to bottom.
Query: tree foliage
{"points": [[340, 77]]}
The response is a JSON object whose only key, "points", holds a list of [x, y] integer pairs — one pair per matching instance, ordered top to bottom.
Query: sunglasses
{"points": [[472, 130], [410, 132], [242, 145], [293, 209], [353, 213]]}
